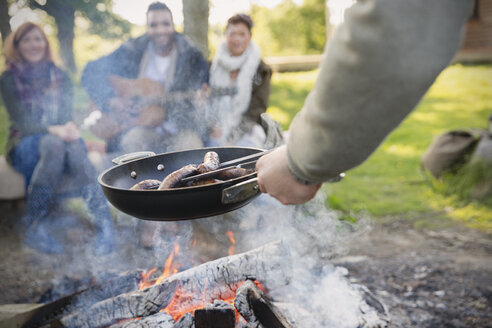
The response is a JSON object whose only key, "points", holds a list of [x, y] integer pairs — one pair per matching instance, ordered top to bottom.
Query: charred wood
{"points": [[220, 278], [123, 283], [200, 285], [125, 306], [258, 310], [218, 315], [160, 319], [186, 321]]}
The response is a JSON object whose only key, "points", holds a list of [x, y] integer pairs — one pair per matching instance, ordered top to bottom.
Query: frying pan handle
{"points": [[131, 157], [250, 188], [241, 191]]}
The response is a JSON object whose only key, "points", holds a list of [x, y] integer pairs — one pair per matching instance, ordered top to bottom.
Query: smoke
{"points": [[320, 293]]}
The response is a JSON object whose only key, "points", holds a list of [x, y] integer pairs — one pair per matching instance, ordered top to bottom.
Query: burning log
{"points": [[219, 279], [123, 283], [191, 289], [125, 306], [256, 309], [218, 315], [160, 319], [186, 321]]}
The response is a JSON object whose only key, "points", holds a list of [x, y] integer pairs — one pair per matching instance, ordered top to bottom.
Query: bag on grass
{"points": [[449, 150]]}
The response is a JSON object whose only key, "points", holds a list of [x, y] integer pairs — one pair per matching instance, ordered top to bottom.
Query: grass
{"points": [[390, 182]]}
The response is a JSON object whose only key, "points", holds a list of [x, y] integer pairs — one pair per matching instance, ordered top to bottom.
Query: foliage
{"points": [[97, 13], [95, 16], [290, 29], [390, 182]]}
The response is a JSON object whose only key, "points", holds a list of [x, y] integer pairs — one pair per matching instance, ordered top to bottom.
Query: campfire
{"points": [[239, 290]]}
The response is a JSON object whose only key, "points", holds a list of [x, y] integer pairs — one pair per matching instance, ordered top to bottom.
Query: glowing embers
{"points": [[179, 295]]}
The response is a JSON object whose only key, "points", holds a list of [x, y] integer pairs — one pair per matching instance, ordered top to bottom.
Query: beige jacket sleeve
{"points": [[376, 68]]}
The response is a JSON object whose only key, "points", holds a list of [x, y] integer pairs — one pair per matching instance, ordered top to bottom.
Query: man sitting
{"points": [[159, 65]]}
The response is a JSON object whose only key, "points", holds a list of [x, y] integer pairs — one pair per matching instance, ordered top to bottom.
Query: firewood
{"points": [[220, 278], [123, 283], [202, 285], [253, 305], [125, 306], [217, 315], [160, 319], [186, 321]]}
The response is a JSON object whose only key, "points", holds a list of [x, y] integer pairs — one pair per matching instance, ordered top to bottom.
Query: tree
{"points": [[98, 12], [4, 19], [195, 19], [314, 24], [289, 28]]}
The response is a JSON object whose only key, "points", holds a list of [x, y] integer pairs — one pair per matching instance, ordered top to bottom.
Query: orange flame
{"points": [[232, 248], [170, 267], [183, 301]]}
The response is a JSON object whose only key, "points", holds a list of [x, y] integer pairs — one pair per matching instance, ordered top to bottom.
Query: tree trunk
{"points": [[64, 14], [195, 15], [4, 19], [65, 21]]}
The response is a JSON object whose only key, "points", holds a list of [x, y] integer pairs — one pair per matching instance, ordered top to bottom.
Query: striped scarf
{"points": [[39, 90]]}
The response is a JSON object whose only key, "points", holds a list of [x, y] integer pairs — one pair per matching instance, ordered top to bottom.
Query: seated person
{"points": [[238, 63], [160, 65], [44, 143]]}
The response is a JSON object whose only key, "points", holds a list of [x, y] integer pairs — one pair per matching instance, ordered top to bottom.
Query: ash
{"points": [[432, 277]]}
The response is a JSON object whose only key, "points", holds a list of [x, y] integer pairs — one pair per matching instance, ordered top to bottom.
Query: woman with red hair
{"points": [[44, 143]]}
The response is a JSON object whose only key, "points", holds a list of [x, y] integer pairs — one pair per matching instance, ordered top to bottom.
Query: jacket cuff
{"points": [[296, 173]]}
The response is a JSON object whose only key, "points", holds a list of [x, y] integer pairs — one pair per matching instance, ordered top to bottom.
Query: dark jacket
{"points": [[190, 73], [260, 93], [259, 100], [20, 121]]}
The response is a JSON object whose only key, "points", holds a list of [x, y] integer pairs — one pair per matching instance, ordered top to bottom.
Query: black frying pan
{"points": [[179, 203]]}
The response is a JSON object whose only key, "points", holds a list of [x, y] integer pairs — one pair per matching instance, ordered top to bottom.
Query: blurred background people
{"points": [[238, 64], [163, 67], [44, 143]]}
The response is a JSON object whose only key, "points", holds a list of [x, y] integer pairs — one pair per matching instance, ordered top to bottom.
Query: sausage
{"points": [[211, 162], [233, 173], [173, 179], [202, 182], [148, 184]]}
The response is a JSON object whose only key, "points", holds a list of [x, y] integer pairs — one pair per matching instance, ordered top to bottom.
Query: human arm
{"points": [[376, 68], [274, 177]]}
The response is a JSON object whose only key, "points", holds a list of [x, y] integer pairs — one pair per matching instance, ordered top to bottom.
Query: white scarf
{"points": [[230, 109]]}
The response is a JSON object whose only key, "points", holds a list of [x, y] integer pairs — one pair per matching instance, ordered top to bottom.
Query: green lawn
{"points": [[390, 182]]}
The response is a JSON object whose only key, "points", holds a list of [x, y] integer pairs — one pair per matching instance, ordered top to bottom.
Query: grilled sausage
{"points": [[211, 162], [233, 173], [173, 179], [201, 182], [148, 184]]}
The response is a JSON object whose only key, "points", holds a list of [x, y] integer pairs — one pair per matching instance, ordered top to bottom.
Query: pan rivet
{"points": [[160, 167], [133, 174], [255, 187]]}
